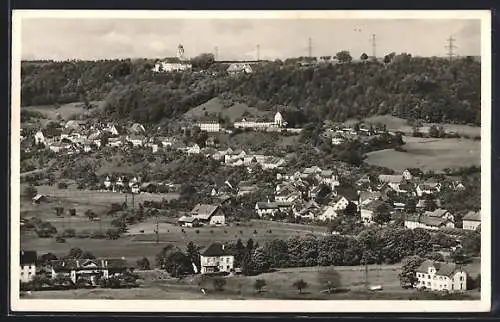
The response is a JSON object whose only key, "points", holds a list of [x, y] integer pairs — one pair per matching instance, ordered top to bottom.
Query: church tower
{"points": [[180, 52]]}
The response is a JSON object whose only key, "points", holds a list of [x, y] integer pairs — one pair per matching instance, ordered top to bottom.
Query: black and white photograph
{"points": [[250, 161]]}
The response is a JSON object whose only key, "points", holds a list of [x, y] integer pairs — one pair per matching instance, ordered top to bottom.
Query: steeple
{"points": [[180, 52]]}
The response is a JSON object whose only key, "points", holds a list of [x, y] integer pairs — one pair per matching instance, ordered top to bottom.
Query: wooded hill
{"points": [[431, 89]]}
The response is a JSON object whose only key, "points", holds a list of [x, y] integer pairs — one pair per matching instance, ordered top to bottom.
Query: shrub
{"points": [[62, 185], [69, 233], [97, 234], [112, 234], [60, 239], [143, 264]]}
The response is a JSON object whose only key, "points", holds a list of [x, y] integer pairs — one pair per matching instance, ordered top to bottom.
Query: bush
{"points": [[62, 185], [197, 231], [69, 233], [97, 234], [112, 234], [60, 239], [143, 264]]}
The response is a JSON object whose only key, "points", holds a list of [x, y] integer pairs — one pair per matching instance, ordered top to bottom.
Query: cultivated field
{"points": [[429, 154], [154, 285]]}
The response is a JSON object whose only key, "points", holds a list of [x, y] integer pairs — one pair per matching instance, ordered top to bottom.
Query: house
{"points": [[239, 68], [278, 120], [253, 124], [74, 125], [211, 126], [110, 128], [137, 128], [94, 135], [39, 138], [136, 140], [337, 140], [115, 142], [59, 146], [194, 149], [271, 163], [410, 174], [328, 177], [392, 180], [107, 183], [428, 188], [245, 189], [320, 192], [287, 194], [365, 197], [38, 198], [339, 203], [271, 208], [310, 210], [368, 211], [328, 213], [440, 213], [209, 215], [472, 220], [188, 221], [426, 222], [215, 258], [27, 266], [90, 270], [441, 276]]}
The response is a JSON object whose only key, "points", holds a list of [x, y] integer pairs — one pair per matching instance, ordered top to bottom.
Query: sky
{"points": [[110, 38]]}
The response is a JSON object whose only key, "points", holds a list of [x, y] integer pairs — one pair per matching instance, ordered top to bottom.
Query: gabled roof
{"points": [[365, 195], [273, 205], [204, 211], [436, 213], [473, 216], [189, 219], [215, 250], [28, 257], [104, 263], [442, 268]]}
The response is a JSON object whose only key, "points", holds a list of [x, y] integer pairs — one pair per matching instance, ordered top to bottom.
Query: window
{"points": [[227, 260], [22, 273], [29, 273], [428, 283]]}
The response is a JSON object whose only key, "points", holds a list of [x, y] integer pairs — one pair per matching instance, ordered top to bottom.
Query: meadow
{"points": [[429, 154], [156, 285]]}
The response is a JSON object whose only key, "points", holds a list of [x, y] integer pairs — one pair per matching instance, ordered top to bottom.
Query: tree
{"points": [[344, 56], [364, 57], [203, 61], [30, 191], [410, 206], [351, 210], [382, 214], [239, 252], [75, 253], [193, 253], [458, 256], [260, 261], [143, 264], [408, 277], [330, 279], [219, 283], [259, 285], [300, 285]]}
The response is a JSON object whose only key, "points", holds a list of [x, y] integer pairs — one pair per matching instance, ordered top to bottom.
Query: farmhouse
{"points": [[136, 140], [328, 177], [392, 180], [428, 188], [287, 193], [365, 197], [310, 210], [328, 213], [440, 213], [209, 215], [472, 220], [427, 222], [215, 258], [28, 266], [89, 270], [440, 276]]}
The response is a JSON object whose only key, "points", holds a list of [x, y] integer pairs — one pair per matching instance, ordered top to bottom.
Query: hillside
{"points": [[434, 90], [218, 107]]}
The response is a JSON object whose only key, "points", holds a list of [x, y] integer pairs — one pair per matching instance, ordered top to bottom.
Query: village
{"points": [[327, 197]]}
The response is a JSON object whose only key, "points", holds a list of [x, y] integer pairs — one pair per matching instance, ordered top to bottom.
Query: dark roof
{"points": [[349, 193], [204, 211], [215, 249], [28, 257], [442, 268]]}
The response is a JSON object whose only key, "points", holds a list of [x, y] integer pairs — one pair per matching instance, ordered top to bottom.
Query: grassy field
{"points": [[66, 112], [234, 112], [398, 124], [257, 141], [429, 154], [155, 285]]}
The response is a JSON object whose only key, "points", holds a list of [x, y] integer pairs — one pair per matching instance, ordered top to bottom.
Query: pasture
{"points": [[65, 112], [429, 154], [154, 285]]}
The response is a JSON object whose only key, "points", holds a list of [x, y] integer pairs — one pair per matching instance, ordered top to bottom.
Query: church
{"points": [[173, 64]]}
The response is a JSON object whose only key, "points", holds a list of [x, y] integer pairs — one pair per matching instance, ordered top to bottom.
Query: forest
{"points": [[429, 89]]}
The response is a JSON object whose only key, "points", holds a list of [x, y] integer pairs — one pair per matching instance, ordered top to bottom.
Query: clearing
{"points": [[66, 112], [429, 154]]}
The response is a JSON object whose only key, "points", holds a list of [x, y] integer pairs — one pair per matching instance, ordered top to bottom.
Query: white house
{"points": [[179, 63], [239, 68], [278, 120], [253, 124], [110, 128], [39, 138], [136, 140], [194, 149], [329, 178], [392, 180], [428, 188], [339, 203], [271, 208], [368, 210], [328, 213], [210, 215], [471, 220], [427, 222], [216, 259], [28, 266], [90, 270], [441, 276]]}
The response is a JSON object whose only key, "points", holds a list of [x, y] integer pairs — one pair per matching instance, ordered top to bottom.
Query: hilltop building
{"points": [[173, 64]]}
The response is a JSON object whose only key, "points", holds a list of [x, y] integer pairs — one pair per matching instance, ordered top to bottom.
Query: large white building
{"points": [[177, 64], [252, 124], [213, 126], [39, 138], [216, 259], [440, 276]]}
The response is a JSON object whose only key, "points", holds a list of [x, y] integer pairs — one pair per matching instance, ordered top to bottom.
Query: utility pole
{"points": [[374, 45], [309, 47], [451, 47], [258, 52], [216, 53], [157, 230]]}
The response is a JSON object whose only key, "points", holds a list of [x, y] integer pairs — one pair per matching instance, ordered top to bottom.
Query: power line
{"points": [[374, 45], [451, 47]]}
